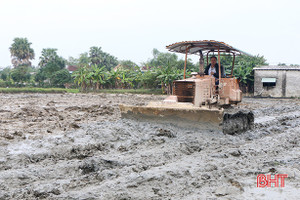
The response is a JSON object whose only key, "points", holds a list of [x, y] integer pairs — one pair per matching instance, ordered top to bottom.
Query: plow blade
{"points": [[185, 115]]}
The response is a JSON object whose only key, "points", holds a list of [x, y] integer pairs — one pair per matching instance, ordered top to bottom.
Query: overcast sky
{"points": [[130, 29]]}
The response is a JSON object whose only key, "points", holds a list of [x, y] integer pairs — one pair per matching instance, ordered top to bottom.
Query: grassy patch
{"points": [[37, 90], [62, 90], [133, 91]]}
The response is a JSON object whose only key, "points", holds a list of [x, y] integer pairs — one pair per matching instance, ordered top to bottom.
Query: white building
{"points": [[277, 81]]}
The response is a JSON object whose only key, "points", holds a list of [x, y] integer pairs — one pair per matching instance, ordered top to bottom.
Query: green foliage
{"points": [[21, 52], [48, 55], [96, 57], [101, 58], [163, 59], [84, 60], [73, 61], [226, 62], [49, 64], [128, 64], [282, 64], [53, 66], [244, 67], [96, 69], [243, 70], [5, 74], [20, 74], [168, 74], [97, 75], [5, 77], [40, 77], [61, 77], [81, 77], [98, 78], [112, 79], [126, 79], [149, 79], [4, 84], [37, 90], [132, 91]]}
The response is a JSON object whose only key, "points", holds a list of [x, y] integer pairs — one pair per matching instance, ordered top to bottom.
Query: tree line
{"points": [[96, 69]]}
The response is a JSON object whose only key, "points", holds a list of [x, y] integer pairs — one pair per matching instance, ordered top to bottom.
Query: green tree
{"points": [[21, 52], [48, 55], [96, 56], [101, 58], [163, 59], [84, 60], [73, 61], [49, 63], [128, 64], [282, 64], [243, 70], [5, 73], [20, 74], [61, 77], [40, 78], [149, 79]]}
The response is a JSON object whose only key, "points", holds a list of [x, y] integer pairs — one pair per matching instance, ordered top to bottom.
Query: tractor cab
{"points": [[202, 89]]}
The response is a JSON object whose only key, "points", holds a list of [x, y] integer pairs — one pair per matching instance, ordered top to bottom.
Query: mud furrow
{"points": [[75, 147]]}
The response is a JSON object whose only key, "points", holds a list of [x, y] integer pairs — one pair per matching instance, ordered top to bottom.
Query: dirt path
{"points": [[74, 146]]}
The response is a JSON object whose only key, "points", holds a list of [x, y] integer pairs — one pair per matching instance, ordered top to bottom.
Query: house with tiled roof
{"points": [[72, 68]]}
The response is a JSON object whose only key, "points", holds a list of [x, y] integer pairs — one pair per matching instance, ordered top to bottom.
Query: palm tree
{"points": [[21, 52], [48, 55], [95, 55], [101, 58]]}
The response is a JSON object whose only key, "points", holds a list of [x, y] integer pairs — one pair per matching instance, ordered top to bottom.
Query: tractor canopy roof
{"points": [[205, 46]]}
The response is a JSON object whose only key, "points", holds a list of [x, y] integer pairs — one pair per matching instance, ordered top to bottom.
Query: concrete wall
{"points": [[286, 83], [293, 83]]}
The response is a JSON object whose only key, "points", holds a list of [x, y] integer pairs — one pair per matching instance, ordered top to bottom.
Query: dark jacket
{"points": [[216, 75]]}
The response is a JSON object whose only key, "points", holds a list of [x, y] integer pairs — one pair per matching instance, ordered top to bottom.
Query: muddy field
{"points": [[75, 146]]}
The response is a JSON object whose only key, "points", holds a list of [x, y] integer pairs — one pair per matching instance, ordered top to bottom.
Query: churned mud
{"points": [[75, 146]]}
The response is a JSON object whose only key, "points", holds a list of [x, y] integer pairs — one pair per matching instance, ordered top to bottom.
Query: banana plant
{"points": [[167, 75], [98, 76], [81, 77], [113, 78], [126, 80]]}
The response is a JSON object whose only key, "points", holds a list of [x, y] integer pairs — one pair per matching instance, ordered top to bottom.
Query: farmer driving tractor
{"points": [[213, 69]]}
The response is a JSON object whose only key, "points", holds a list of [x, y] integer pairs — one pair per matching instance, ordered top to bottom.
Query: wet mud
{"points": [[75, 146]]}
